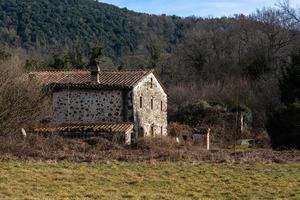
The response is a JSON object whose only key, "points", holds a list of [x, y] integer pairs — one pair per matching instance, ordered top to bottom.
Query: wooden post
{"points": [[208, 139]]}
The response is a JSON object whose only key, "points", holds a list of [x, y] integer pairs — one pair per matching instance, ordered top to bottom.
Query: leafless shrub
{"points": [[20, 101], [177, 130], [154, 143], [103, 144], [149, 149]]}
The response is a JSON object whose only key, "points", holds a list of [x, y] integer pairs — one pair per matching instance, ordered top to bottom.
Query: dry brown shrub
{"points": [[21, 101], [177, 130], [149, 143], [103, 144], [148, 149]]}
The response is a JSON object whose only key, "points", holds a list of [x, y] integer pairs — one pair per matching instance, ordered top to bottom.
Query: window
{"points": [[151, 83], [141, 102], [152, 103], [161, 105], [152, 130], [161, 131], [141, 132]]}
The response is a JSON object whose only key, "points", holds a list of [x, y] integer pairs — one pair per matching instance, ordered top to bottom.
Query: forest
{"points": [[208, 65]]}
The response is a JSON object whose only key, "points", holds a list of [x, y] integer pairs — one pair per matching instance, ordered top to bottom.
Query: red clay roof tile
{"points": [[125, 79], [105, 127]]}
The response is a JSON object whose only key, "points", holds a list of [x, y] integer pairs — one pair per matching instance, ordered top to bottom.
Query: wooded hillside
{"points": [[50, 23]]}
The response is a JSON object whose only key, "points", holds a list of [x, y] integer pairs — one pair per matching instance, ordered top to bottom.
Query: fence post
{"points": [[208, 139]]}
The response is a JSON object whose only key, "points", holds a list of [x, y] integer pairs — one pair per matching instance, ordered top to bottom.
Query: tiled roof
{"points": [[47, 77], [126, 78], [113, 79], [93, 86], [103, 127]]}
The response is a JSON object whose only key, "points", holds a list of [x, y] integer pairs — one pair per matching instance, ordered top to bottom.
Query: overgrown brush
{"points": [[21, 100], [34, 147]]}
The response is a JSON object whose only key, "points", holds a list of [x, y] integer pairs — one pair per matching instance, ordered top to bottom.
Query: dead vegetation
{"points": [[21, 101], [157, 149]]}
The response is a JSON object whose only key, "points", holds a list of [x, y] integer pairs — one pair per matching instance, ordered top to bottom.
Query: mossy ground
{"points": [[161, 180]]}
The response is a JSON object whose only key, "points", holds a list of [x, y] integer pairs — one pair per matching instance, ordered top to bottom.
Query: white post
{"points": [[242, 123], [24, 134], [207, 139]]}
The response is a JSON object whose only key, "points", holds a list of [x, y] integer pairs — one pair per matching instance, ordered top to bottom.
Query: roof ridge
{"points": [[87, 70], [127, 70], [82, 78], [138, 81]]}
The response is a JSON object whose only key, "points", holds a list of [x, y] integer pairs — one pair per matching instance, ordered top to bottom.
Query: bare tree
{"points": [[291, 13], [20, 99]]}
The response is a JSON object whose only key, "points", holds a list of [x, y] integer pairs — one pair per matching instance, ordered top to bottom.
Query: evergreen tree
{"points": [[290, 82]]}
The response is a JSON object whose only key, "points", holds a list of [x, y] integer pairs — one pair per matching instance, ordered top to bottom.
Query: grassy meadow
{"points": [[161, 180]]}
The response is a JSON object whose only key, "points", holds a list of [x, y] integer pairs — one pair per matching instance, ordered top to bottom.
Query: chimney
{"points": [[95, 72]]}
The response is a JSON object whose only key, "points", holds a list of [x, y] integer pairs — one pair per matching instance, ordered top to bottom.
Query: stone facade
{"points": [[144, 105], [88, 106], [150, 108]]}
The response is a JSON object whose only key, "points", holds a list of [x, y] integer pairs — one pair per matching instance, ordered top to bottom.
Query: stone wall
{"points": [[88, 106], [96, 106], [128, 106], [148, 120]]}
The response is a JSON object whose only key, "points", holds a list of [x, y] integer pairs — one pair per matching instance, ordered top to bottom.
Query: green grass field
{"points": [[41, 180]]}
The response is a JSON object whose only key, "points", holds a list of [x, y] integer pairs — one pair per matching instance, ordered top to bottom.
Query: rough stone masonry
{"points": [[108, 97]]}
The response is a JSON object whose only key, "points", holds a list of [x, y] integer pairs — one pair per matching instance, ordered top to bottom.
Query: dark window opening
{"points": [[151, 84], [141, 102], [152, 103], [161, 106], [152, 130], [161, 130], [141, 132], [184, 137]]}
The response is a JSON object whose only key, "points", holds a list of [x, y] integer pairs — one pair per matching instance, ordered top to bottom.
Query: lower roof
{"points": [[121, 127]]}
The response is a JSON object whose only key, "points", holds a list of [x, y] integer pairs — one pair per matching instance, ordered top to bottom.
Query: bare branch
{"points": [[289, 11]]}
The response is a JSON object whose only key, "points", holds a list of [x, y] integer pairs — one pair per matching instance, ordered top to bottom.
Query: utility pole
{"points": [[237, 102]]}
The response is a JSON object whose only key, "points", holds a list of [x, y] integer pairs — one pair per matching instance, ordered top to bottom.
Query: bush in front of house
{"points": [[194, 112], [179, 130]]}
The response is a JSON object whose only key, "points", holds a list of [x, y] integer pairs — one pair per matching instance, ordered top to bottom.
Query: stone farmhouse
{"points": [[112, 104]]}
